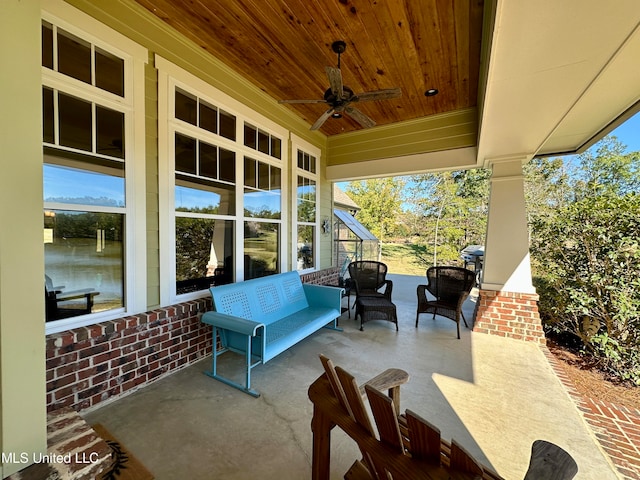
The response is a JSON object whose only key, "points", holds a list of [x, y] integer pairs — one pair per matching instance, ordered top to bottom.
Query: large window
{"points": [[88, 123], [221, 177], [204, 193], [306, 207]]}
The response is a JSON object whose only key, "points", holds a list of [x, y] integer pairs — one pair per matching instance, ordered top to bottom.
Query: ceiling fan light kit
{"points": [[339, 97]]}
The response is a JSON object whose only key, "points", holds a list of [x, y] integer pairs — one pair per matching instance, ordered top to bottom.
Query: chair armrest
{"points": [[354, 286], [388, 289], [87, 293], [323, 295], [229, 322], [390, 378]]}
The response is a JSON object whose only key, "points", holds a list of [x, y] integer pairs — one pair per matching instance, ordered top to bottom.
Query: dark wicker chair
{"points": [[368, 277], [450, 286]]}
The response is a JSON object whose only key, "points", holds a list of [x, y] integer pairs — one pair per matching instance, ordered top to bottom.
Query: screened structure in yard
{"points": [[353, 240]]}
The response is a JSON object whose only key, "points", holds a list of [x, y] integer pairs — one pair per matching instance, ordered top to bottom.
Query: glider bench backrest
{"points": [[263, 317]]}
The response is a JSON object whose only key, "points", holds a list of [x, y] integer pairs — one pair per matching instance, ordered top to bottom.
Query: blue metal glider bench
{"points": [[263, 317]]}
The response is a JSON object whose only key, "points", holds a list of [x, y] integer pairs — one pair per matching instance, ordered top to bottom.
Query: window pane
{"points": [[47, 45], [74, 56], [109, 72], [186, 107], [47, 116], [208, 117], [75, 122], [227, 125], [109, 132], [250, 136], [263, 141], [276, 147], [185, 156], [300, 159], [208, 160], [312, 164], [227, 166], [250, 172], [263, 176], [275, 179], [82, 187], [217, 198], [259, 204], [306, 211], [261, 246], [305, 246], [204, 253], [84, 262]]}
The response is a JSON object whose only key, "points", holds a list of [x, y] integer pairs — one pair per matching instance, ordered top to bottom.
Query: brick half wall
{"points": [[509, 314], [90, 365]]}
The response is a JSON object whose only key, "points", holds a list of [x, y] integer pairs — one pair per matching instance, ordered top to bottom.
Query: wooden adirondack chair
{"points": [[406, 447]]}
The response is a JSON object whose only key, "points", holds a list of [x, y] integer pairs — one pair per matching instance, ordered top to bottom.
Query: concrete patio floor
{"points": [[493, 395]]}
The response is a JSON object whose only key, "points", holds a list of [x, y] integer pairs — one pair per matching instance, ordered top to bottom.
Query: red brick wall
{"points": [[328, 276], [509, 314], [89, 365]]}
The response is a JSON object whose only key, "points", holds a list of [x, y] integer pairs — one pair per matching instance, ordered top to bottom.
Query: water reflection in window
{"points": [[84, 262]]}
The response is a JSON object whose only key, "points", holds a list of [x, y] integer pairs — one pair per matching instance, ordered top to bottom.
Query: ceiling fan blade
{"points": [[335, 80], [385, 94], [301, 101], [359, 117], [323, 118]]}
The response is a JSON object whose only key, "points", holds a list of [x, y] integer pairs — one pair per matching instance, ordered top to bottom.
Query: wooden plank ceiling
{"points": [[282, 46]]}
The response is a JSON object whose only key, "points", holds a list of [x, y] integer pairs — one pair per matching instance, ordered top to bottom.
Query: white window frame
{"points": [[135, 57], [171, 76], [297, 144]]}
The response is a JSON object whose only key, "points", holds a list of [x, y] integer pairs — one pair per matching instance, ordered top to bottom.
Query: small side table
{"points": [[346, 286], [375, 308]]}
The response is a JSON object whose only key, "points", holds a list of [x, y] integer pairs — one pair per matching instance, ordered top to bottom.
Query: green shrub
{"points": [[587, 260]]}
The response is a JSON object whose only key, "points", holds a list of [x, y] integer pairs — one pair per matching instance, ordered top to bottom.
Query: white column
{"points": [[506, 262], [22, 336]]}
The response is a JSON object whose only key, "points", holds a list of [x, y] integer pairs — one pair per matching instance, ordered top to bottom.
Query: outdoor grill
{"points": [[473, 255]]}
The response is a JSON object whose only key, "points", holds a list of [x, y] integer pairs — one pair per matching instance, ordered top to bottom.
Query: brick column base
{"points": [[509, 314]]}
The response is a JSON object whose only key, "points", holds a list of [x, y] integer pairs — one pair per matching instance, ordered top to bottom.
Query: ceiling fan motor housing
{"points": [[334, 101]]}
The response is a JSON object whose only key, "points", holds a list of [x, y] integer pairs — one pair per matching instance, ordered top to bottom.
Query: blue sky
{"points": [[629, 133]]}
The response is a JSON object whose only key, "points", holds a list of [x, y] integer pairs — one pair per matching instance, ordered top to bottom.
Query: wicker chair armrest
{"points": [[354, 286], [388, 289], [422, 292], [462, 299]]}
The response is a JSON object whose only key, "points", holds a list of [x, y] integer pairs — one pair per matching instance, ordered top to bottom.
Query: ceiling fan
{"points": [[340, 97]]}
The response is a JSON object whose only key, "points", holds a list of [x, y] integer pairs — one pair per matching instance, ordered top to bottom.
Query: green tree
{"points": [[606, 169], [380, 201], [451, 210], [585, 218], [590, 285]]}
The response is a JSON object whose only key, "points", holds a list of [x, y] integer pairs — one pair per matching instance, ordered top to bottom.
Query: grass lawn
{"points": [[404, 258]]}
